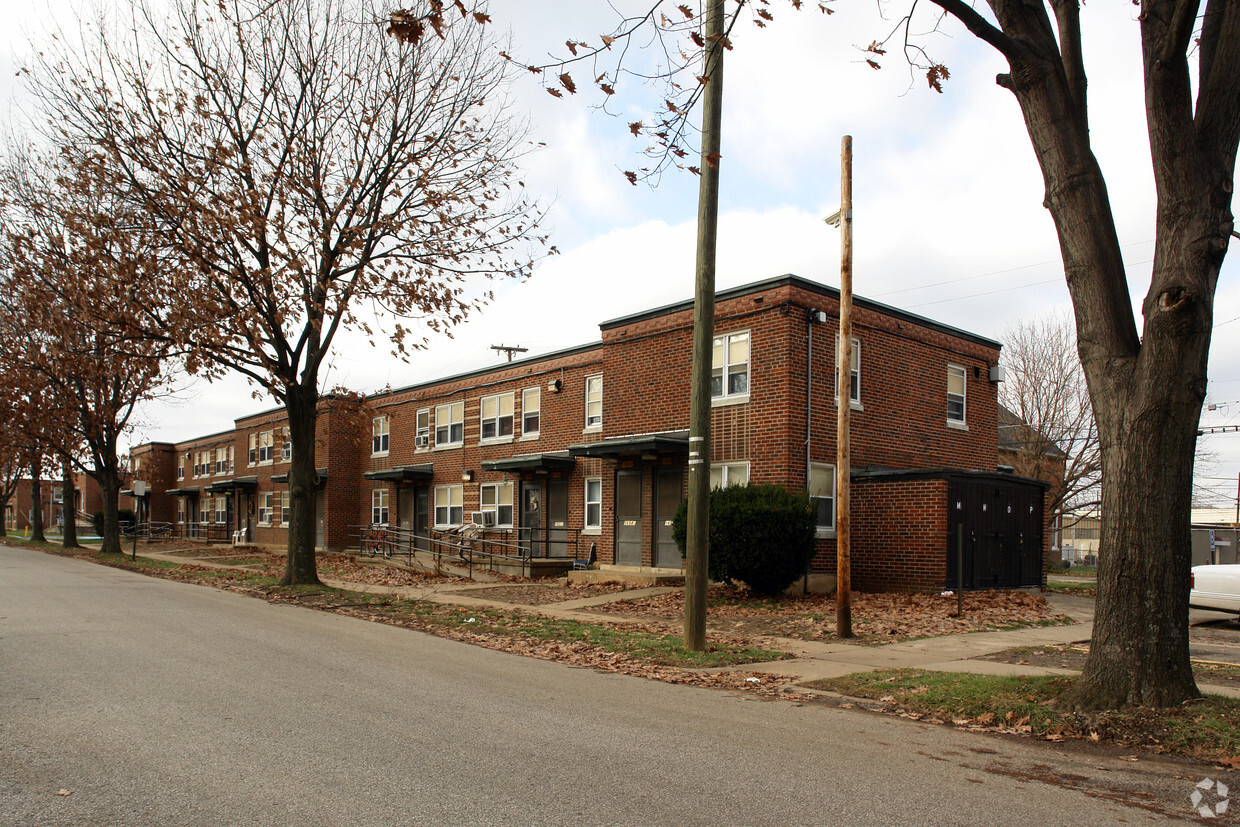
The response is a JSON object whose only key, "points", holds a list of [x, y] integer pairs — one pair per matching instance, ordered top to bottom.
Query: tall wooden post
{"points": [[697, 528], [843, 593]]}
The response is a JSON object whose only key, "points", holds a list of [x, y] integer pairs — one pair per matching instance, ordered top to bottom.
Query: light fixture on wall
{"points": [[467, 476]]}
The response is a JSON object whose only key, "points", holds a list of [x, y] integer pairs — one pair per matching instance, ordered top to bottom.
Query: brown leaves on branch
{"points": [[935, 76]]}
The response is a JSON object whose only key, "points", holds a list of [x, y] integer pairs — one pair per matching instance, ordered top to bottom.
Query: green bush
{"points": [[124, 516], [760, 535]]}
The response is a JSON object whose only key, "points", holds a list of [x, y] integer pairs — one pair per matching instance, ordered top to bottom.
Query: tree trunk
{"points": [[301, 404], [109, 480], [36, 504], [67, 509]]}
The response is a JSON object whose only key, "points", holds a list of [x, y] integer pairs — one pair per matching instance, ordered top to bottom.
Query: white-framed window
{"points": [[729, 366], [854, 381], [956, 395], [594, 401], [531, 408], [496, 416], [450, 425], [422, 432], [379, 436], [286, 445], [262, 450], [252, 456], [221, 461], [202, 464], [181, 468], [725, 474], [822, 490], [497, 497], [594, 504], [449, 505], [379, 506], [264, 508], [180, 509], [221, 509], [204, 510], [281, 515]]}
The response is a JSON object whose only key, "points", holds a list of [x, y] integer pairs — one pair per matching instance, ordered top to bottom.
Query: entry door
{"points": [[667, 483], [422, 517], [531, 517], [629, 517], [557, 518]]}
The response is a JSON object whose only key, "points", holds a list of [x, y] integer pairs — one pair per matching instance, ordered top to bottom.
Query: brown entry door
{"points": [[667, 495], [531, 517], [629, 517], [557, 518]]}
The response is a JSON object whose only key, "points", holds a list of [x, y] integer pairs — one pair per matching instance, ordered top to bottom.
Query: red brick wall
{"points": [[898, 537]]}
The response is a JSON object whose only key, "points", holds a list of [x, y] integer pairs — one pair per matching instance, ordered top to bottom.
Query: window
{"points": [[729, 367], [854, 382], [955, 395], [594, 401], [531, 404], [496, 416], [450, 425], [379, 436], [422, 437], [286, 445], [261, 448], [252, 458], [223, 460], [202, 464], [181, 468], [727, 474], [822, 490], [498, 498], [594, 504], [448, 505], [379, 506], [180, 509], [221, 509], [264, 509], [204, 510], [281, 515]]}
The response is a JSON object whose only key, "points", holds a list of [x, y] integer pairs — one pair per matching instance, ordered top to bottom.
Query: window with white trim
{"points": [[729, 366], [854, 382], [955, 395], [594, 401], [531, 405], [496, 416], [450, 425], [422, 432], [379, 436], [286, 445], [261, 448], [202, 464], [181, 467], [727, 474], [822, 491], [497, 497], [594, 504], [449, 505], [379, 506], [264, 508], [180, 509], [221, 509], [204, 510], [281, 515]]}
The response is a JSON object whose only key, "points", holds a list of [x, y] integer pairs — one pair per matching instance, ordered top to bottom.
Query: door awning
{"points": [[666, 442], [549, 461], [404, 473], [320, 474], [239, 483], [183, 492]]}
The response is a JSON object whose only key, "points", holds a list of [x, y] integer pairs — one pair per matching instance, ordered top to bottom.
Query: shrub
{"points": [[760, 535]]}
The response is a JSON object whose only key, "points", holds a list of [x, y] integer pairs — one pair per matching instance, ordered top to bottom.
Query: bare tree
{"points": [[305, 171], [1053, 437]]}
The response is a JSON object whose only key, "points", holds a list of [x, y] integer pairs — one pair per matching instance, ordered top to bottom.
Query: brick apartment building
{"points": [[588, 446], [19, 510]]}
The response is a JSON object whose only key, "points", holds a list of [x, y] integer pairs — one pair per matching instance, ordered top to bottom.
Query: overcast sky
{"points": [[948, 217]]}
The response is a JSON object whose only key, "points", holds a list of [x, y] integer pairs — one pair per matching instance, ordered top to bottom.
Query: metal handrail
{"points": [[469, 545]]}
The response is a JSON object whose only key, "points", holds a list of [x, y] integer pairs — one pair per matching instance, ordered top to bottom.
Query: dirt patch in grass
{"points": [[545, 594], [1072, 656]]}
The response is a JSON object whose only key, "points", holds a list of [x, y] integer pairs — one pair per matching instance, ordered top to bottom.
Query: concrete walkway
{"points": [[812, 660]]}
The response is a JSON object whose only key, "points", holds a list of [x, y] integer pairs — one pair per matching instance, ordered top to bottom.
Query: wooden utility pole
{"points": [[697, 529], [843, 592]]}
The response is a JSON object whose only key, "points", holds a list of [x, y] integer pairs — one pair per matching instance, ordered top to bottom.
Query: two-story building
{"points": [[588, 446]]}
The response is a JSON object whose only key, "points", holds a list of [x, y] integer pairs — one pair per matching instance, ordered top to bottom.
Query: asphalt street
{"points": [[127, 700]]}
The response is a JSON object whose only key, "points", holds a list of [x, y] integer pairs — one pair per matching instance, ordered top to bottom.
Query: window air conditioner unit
{"points": [[422, 441], [486, 519]]}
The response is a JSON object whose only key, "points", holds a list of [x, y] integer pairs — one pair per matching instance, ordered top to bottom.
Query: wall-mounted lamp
{"points": [[816, 316], [997, 373], [555, 385], [467, 476]]}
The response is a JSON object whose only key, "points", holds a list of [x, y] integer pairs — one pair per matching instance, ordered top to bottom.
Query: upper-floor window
{"points": [[729, 367], [854, 381], [955, 395], [594, 401], [531, 403], [496, 416], [450, 424], [422, 433], [379, 436], [286, 445], [262, 447], [224, 460], [202, 464], [181, 469], [729, 473], [822, 490], [497, 497], [594, 503], [449, 505], [379, 506]]}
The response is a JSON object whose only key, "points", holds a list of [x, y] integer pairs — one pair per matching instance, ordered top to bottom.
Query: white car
{"points": [[1215, 587]]}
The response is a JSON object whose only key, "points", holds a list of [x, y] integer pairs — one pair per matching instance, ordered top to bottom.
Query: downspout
{"points": [[809, 414]]}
